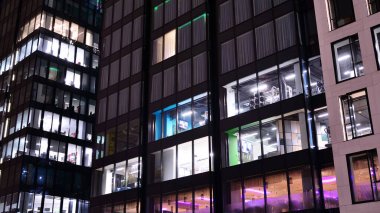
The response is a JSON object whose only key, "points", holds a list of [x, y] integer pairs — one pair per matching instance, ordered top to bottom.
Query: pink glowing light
{"points": [[330, 179], [256, 191]]}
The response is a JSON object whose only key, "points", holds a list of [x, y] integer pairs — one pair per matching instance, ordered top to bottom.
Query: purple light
{"points": [[328, 179], [256, 191]]}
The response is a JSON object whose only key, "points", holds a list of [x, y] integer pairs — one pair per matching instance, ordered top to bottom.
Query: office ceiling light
{"points": [[344, 57], [290, 77], [259, 88]]}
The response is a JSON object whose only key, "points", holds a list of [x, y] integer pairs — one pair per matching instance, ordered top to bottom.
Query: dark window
{"points": [[373, 6], [341, 13], [348, 59], [356, 114], [363, 172]]}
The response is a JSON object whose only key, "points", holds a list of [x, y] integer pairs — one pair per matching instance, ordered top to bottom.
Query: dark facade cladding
{"points": [[49, 56], [211, 106]]}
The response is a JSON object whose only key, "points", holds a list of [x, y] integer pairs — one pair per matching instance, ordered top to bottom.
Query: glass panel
{"points": [[170, 44], [348, 59], [290, 79], [268, 89], [249, 94], [231, 98], [200, 110], [356, 114], [184, 116], [170, 117], [322, 127], [295, 131], [272, 137], [250, 142], [233, 147], [185, 154], [201, 155], [169, 164], [133, 173], [120, 177], [360, 177], [330, 188], [301, 189], [277, 193], [254, 195], [233, 199], [202, 200], [185, 202], [169, 203]]}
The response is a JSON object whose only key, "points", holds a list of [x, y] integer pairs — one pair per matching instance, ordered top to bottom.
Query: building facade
{"points": [[349, 43], [49, 56], [212, 106]]}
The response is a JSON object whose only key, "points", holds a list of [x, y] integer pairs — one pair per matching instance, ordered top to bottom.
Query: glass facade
{"points": [[48, 81]]}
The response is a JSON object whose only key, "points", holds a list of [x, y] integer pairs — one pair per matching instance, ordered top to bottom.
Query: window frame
{"points": [[376, 48], [352, 55], [343, 115], [370, 160]]}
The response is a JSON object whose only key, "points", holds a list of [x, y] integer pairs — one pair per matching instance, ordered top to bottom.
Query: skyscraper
{"points": [[49, 56], [212, 106]]}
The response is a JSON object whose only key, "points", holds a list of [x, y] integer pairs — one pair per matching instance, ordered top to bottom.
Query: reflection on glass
{"points": [[348, 59], [290, 79], [268, 89], [185, 114], [170, 118], [357, 119], [322, 127], [295, 131], [272, 137], [250, 142], [185, 154], [364, 176], [330, 188], [301, 189], [277, 193], [254, 195], [233, 197], [202, 200], [185, 202]]}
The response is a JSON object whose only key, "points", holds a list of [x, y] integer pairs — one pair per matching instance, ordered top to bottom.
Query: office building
{"points": [[349, 33], [49, 56], [212, 106]]}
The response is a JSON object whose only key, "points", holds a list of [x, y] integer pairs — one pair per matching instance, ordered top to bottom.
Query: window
{"points": [[260, 6], [373, 6], [242, 10], [341, 12], [226, 16], [285, 31], [376, 38], [265, 41], [244, 45], [164, 47], [347, 58], [228, 61], [356, 115], [322, 127], [364, 176], [330, 188]]}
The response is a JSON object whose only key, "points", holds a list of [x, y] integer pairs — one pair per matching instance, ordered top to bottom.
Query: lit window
{"points": [[341, 12], [376, 36], [170, 44], [164, 47], [348, 59], [356, 115], [321, 122], [364, 175], [330, 188]]}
